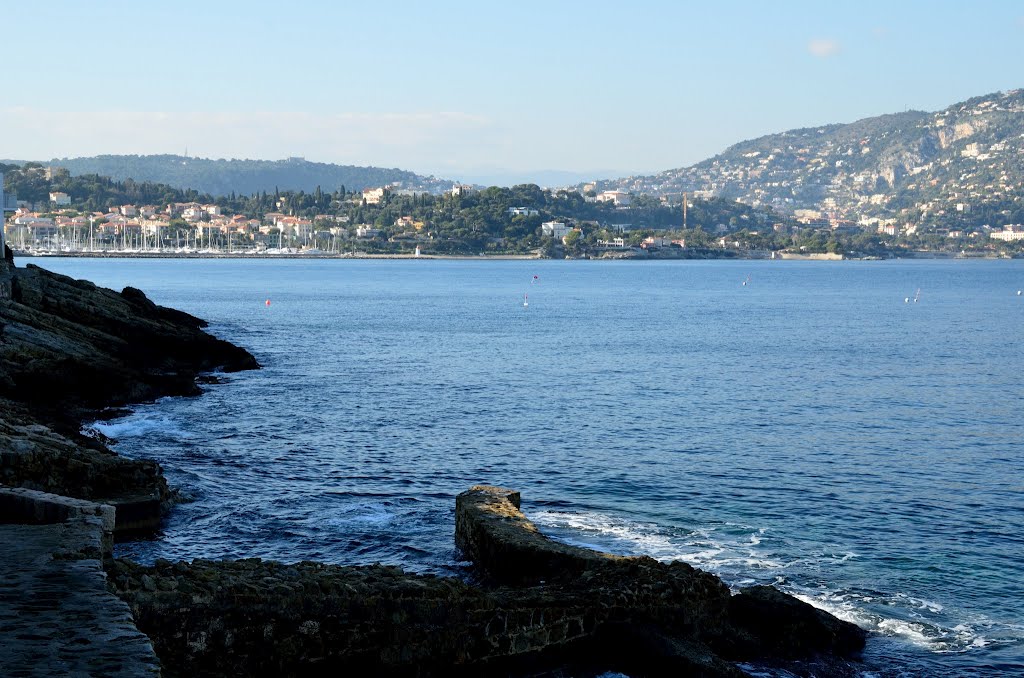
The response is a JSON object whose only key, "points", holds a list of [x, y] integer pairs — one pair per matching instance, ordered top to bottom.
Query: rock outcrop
{"points": [[69, 349]]}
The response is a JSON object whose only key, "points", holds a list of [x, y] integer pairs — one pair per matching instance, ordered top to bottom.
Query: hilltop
{"points": [[961, 166], [245, 177]]}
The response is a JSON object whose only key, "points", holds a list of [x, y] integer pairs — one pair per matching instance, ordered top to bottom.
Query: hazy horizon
{"points": [[484, 94]]}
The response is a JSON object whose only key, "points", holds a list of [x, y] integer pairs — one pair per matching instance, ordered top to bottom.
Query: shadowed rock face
{"points": [[69, 349], [568, 611]]}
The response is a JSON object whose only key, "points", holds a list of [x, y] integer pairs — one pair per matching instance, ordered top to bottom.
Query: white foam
{"points": [[140, 424], [362, 513], [608, 532], [736, 549], [736, 552], [911, 631], [927, 633]]}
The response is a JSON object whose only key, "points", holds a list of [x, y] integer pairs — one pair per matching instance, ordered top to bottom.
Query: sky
{"points": [[481, 91]]}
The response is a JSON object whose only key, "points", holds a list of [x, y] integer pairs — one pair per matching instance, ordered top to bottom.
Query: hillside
{"points": [[963, 165], [223, 177]]}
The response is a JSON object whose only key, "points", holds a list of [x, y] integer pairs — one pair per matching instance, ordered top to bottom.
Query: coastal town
{"points": [[387, 220]]}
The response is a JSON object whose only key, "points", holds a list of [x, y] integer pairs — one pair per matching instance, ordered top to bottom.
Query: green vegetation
{"points": [[224, 177], [88, 192]]}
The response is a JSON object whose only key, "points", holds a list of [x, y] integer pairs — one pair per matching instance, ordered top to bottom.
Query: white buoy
{"points": [[1018, 293], [906, 300]]}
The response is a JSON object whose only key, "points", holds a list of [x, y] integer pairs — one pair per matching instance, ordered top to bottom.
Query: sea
{"points": [[850, 432]]}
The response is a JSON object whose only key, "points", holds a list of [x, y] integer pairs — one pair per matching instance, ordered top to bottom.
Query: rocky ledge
{"points": [[69, 350]]}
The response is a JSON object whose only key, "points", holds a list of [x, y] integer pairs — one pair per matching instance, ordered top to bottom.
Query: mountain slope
{"points": [[966, 160], [223, 177]]}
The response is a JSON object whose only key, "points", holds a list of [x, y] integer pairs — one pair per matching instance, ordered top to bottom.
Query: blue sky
{"points": [[482, 90]]}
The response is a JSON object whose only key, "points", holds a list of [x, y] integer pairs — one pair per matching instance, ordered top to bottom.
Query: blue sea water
{"points": [[814, 428]]}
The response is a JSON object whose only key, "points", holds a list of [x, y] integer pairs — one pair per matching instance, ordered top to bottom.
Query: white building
{"points": [[461, 189], [373, 196], [618, 198], [60, 199], [524, 211], [193, 213], [555, 229], [367, 231], [1009, 233]]}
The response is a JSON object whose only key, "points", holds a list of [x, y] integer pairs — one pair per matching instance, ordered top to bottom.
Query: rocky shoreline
{"points": [[69, 350]]}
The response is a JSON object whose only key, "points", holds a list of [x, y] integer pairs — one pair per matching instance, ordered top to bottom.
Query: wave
{"points": [[138, 424], [718, 548], [743, 555], [920, 622]]}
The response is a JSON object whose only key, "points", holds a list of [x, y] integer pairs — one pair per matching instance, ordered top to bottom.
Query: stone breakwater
{"points": [[69, 349], [541, 608]]}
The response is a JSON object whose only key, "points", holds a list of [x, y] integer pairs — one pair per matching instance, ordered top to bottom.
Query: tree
{"points": [[572, 241]]}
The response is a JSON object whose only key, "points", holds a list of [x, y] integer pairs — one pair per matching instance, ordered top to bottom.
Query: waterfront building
{"points": [[1009, 233]]}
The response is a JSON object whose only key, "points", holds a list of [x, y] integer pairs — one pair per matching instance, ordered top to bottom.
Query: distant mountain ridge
{"points": [[966, 160], [245, 177]]}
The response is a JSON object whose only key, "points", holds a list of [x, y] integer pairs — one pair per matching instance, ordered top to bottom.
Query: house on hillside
{"points": [[374, 196], [618, 198], [555, 229]]}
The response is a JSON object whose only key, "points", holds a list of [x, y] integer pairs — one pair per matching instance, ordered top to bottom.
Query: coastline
{"points": [[714, 255]]}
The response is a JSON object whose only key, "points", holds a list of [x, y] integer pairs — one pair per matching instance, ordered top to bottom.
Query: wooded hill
{"points": [[224, 177]]}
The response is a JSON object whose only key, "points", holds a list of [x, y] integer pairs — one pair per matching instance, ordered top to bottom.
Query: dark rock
{"points": [[69, 349], [784, 626]]}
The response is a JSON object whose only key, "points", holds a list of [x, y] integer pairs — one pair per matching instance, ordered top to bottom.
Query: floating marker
{"points": [[1018, 292], [268, 302]]}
